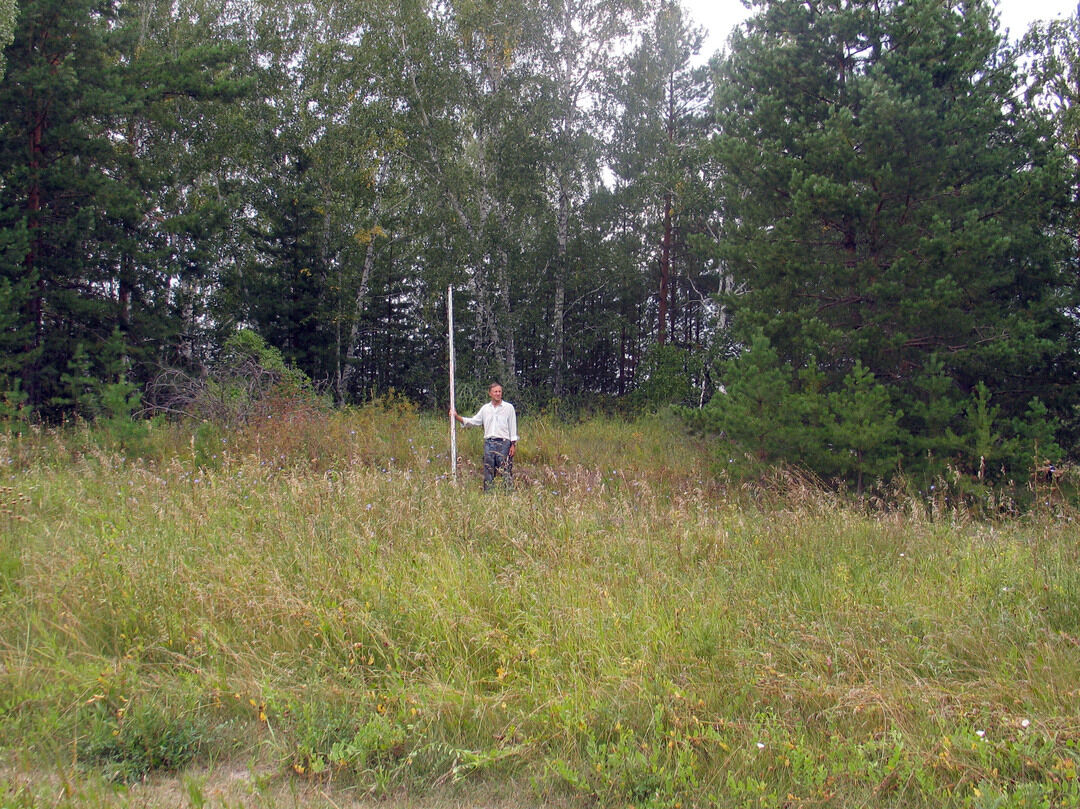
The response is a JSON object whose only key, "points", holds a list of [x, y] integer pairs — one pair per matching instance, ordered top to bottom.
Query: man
{"points": [[500, 435]]}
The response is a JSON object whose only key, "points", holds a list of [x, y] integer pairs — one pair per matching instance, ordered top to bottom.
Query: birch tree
{"points": [[583, 39]]}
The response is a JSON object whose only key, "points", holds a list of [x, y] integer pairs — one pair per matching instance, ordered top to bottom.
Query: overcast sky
{"points": [[718, 16]]}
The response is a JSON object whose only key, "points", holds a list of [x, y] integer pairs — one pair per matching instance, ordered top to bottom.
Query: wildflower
{"points": [[1025, 723], [980, 733], [761, 745]]}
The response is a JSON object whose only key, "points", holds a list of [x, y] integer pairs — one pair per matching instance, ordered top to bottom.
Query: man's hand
{"points": [[513, 447]]}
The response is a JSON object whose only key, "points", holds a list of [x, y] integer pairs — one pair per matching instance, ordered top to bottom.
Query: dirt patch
{"points": [[238, 785]]}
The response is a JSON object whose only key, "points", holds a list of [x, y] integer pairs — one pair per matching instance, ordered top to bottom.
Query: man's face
{"points": [[495, 392]]}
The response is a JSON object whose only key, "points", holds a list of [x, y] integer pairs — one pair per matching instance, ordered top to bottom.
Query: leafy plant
{"points": [[131, 741]]}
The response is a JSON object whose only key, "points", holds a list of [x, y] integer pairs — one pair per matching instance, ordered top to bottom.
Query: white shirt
{"points": [[498, 422]]}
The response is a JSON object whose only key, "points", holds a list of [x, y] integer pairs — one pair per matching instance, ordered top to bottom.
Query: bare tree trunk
{"points": [[665, 273], [35, 306], [558, 315], [352, 353], [622, 361], [508, 372]]}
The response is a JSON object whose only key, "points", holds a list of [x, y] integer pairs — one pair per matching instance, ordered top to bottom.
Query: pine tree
{"points": [[59, 183], [886, 199], [85, 225], [754, 413], [864, 431]]}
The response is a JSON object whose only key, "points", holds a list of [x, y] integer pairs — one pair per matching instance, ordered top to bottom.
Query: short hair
{"points": [[494, 384]]}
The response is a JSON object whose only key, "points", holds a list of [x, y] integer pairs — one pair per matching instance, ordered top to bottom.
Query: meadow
{"points": [[311, 611]]}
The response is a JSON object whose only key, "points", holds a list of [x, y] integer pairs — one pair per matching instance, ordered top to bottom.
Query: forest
{"points": [[848, 241]]}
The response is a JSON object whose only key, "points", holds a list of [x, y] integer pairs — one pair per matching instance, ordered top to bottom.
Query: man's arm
{"points": [[475, 421]]}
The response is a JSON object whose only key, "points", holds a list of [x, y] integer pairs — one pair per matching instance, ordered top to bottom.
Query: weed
{"points": [[129, 742]]}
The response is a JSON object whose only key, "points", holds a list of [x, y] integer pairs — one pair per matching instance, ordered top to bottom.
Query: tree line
{"points": [[849, 240]]}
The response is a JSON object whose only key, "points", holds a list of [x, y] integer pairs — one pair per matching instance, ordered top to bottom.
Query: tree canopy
{"points": [[890, 205], [865, 211]]}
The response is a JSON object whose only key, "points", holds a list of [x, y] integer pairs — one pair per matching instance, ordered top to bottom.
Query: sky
{"points": [[718, 16]]}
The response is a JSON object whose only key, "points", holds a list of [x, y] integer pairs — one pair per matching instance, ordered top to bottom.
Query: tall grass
{"points": [[318, 595]]}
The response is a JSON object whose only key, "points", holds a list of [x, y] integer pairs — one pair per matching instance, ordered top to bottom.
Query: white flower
{"points": [[1025, 722], [761, 745]]}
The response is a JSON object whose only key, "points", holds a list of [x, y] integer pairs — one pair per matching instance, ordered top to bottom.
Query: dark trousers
{"points": [[497, 460]]}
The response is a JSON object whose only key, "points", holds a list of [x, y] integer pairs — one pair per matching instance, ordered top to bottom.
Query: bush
{"points": [[250, 379]]}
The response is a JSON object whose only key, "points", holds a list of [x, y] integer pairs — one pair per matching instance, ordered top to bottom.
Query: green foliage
{"points": [[1052, 51], [662, 94], [57, 157], [322, 174], [858, 226], [88, 239], [16, 292], [247, 349], [668, 374], [78, 385], [753, 410], [766, 412], [14, 414], [932, 418], [864, 428], [857, 434], [1035, 439], [982, 440], [10, 568], [331, 739], [128, 743], [655, 766]]}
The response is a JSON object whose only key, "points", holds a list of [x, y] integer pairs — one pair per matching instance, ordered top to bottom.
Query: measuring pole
{"points": [[453, 406]]}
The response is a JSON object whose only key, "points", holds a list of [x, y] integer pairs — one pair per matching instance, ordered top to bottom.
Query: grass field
{"points": [[312, 612]]}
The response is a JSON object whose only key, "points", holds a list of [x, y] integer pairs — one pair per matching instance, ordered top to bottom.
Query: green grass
{"points": [[316, 604]]}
